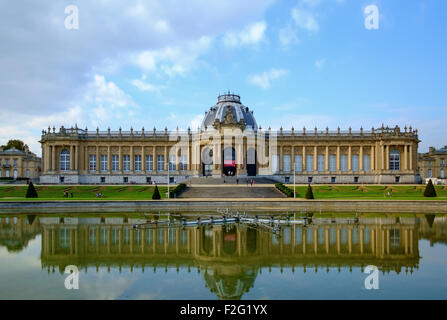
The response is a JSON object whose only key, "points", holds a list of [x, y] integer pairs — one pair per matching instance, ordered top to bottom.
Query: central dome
{"points": [[229, 111]]}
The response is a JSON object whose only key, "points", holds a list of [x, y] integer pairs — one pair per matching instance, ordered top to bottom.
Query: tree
{"points": [[15, 143], [430, 190], [31, 192], [309, 193], [156, 195]]}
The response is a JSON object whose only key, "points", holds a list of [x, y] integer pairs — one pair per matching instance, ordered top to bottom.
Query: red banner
{"points": [[229, 163]]}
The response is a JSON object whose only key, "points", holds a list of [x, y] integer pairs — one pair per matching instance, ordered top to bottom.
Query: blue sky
{"points": [[163, 63]]}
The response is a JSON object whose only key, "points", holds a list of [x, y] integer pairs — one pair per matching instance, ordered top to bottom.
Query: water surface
{"points": [[322, 260]]}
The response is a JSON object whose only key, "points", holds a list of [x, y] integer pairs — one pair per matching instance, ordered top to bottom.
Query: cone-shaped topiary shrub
{"points": [[430, 190], [31, 192], [309, 193], [156, 195]]}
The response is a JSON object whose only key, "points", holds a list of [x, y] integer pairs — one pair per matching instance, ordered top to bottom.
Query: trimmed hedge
{"points": [[177, 190], [286, 190], [430, 190], [31, 192], [309, 193], [156, 194]]}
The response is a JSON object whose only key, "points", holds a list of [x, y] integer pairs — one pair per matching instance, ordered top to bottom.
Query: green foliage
{"points": [[15, 143], [177, 190], [286, 190], [430, 190], [31, 192], [309, 193], [156, 195]]}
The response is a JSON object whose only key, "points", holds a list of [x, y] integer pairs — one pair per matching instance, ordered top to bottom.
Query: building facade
{"points": [[229, 142], [17, 164], [433, 164]]}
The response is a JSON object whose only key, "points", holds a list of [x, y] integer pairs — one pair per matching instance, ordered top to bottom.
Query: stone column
{"points": [[77, 157], [387, 157], [405, 157], [411, 157], [47, 158], [53, 158], [71, 158], [154, 158], [315, 158], [338, 158], [349, 158], [372, 158], [383, 158], [109, 159], [120, 159], [143, 159], [166, 159], [292, 159], [304, 159], [326, 159], [361, 159], [98, 160], [132, 160], [281, 164]]}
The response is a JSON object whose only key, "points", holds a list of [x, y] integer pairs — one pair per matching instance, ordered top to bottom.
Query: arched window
{"points": [[65, 160], [394, 160]]}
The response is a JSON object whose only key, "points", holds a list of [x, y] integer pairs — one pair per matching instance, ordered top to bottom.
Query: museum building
{"points": [[229, 142]]}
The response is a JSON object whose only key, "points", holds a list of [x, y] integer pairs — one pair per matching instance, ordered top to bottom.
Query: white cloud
{"points": [[305, 19], [251, 34], [288, 36], [173, 60], [320, 63], [264, 79], [145, 86]]}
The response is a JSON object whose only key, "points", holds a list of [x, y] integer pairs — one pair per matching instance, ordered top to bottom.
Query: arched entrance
{"points": [[207, 162], [229, 162], [251, 162]]}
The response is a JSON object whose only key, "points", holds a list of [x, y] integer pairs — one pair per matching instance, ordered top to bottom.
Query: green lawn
{"points": [[372, 192], [11, 193]]}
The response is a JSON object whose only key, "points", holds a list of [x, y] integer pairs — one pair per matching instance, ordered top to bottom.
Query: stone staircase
{"points": [[229, 180]]}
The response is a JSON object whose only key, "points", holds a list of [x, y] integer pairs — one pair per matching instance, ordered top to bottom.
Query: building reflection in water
{"points": [[230, 256]]}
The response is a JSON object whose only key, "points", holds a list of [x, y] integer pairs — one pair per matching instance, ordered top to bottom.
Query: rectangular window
{"points": [[172, 160], [394, 160], [15, 162], [92, 162], [103, 162], [126, 162], [137, 162], [160, 162], [275, 162], [344, 162], [442, 162], [115, 163], [149, 163], [183, 163], [286, 163], [298, 163], [309, 163], [320, 163], [332, 163], [355, 163], [366, 163], [27, 173], [430, 173], [103, 179], [125, 179], [333, 179], [356, 179], [148, 180]]}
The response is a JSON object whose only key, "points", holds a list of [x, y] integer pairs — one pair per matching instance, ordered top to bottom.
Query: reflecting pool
{"points": [[322, 259]]}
